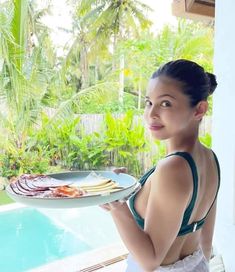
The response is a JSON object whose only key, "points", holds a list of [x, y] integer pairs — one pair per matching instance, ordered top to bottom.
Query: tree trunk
{"points": [[114, 49], [84, 67], [96, 70], [121, 79], [139, 94]]}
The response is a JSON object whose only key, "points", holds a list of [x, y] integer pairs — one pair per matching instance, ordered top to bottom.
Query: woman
{"points": [[169, 225]]}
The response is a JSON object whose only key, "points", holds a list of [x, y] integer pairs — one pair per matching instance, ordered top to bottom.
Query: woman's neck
{"points": [[186, 143]]}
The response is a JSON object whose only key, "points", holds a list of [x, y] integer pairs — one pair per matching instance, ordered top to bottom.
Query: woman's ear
{"points": [[201, 109]]}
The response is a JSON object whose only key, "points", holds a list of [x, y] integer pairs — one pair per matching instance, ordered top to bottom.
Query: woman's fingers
{"points": [[120, 170], [112, 205], [105, 207]]}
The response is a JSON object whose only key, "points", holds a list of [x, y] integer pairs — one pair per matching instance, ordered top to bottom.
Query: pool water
{"points": [[30, 238]]}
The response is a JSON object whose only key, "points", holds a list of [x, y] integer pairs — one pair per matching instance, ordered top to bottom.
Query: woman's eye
{"points": [[148, 103], [165, 104]]}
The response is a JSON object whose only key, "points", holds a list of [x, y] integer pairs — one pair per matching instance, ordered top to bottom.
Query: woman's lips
{"points": [[155, 127]]}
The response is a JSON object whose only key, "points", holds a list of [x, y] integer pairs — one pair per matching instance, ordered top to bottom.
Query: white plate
{"points": [[128, 183]]}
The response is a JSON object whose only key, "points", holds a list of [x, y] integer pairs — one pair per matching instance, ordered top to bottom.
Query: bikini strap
{"points": [[193, 167], [218, 169], [194, 226]]}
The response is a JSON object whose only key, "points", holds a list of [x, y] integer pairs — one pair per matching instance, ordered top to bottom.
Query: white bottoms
{"points": [[192, 263]]}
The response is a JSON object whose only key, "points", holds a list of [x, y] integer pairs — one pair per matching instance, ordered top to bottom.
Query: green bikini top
{"points": [[185, 227]]}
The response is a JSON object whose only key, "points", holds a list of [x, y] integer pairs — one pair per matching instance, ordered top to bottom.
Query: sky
{"points": [[161, 14], [60, 18]]}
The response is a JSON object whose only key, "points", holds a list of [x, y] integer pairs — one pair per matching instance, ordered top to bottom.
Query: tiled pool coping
{"points": [[12, 206], [86, 262], [95, 262], [113, 265]]}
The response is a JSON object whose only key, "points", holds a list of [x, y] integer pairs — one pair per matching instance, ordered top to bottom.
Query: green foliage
{"points": [[107, 19], [84, 80], [23, 82], [107, 104], [126, 140], [206, 140], [69, 146], [161, 151], [19, 161], [4, 198]]}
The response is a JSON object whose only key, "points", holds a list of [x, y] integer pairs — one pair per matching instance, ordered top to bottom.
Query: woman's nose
{"points": [[154, 112]]}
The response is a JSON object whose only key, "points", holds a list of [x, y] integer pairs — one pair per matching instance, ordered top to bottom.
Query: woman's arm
{"points": [[171, 188], [135, 239]]}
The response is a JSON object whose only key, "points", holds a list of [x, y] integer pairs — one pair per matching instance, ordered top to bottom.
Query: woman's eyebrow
{"points": [[162, 95]]}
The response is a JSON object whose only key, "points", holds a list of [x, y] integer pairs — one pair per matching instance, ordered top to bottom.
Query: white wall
{"points": [[223, 128]]}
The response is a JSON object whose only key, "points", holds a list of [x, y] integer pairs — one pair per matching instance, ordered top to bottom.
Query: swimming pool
{"points": [[31, 237]]}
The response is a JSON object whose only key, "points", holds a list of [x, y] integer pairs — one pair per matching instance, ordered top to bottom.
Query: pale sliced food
{"points": [[93, 182]]}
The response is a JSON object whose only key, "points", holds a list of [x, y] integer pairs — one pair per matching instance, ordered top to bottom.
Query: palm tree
{"points": [[109, 22], [188, 40], [23, 77]]}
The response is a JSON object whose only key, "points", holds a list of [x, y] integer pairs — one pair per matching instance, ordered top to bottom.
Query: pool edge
{"points": [[11, 206], [84, 260]]}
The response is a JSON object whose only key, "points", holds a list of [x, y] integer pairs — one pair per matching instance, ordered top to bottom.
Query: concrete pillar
{"points": [[223, 128]]}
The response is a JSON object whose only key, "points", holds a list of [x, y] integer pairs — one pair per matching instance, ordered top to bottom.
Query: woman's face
{"points": [[167, 109]]}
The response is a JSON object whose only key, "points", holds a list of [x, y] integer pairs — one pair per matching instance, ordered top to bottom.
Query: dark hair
{"points": [[196, 83]]}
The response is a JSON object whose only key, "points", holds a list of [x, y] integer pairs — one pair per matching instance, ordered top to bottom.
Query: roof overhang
{"points": [[203, 10]]}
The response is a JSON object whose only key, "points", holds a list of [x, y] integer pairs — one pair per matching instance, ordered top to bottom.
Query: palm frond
{"points": [[64, 110]]}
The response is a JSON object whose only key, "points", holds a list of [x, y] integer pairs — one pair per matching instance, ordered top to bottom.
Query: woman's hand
{"points": [[120, 170], [118, 203], [112, 205]]}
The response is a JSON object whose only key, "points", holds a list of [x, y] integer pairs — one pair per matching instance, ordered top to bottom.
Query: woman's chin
{"points": [[157, 136]]}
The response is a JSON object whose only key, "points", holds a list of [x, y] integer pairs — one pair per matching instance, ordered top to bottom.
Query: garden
{"points": [[82, 109]]}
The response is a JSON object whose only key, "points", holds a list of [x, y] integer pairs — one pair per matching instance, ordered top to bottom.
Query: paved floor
{"points": [[111, 257], [98, 261], [216, 265], [117, 267]]}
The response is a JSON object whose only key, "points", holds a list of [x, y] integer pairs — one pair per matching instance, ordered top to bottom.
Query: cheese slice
{"points": [[90, 183], [106, 185], [98, 189]]}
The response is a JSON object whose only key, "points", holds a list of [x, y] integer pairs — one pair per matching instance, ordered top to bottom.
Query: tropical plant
{"points": [[117, 20], [104, 23], [188, 40], [23, 81], [39, 93], [125, 139], [206, 140], [69, 146], [160, 151], [19, 161]]}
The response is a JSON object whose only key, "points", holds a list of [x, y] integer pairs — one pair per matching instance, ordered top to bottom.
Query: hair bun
{"points": [[212, 82]]}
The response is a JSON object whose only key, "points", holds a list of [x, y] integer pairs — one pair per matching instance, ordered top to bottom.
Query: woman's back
{"points": [[185, 245]]}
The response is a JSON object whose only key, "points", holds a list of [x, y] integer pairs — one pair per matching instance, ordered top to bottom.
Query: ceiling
{"points": [[194, 9]]}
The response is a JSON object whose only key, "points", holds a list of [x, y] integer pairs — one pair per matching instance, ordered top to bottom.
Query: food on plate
{"points": [[33, 185], [68, 191]]}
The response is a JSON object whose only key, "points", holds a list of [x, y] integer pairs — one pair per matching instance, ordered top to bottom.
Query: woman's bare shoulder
{"points": [[173, 171]]}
